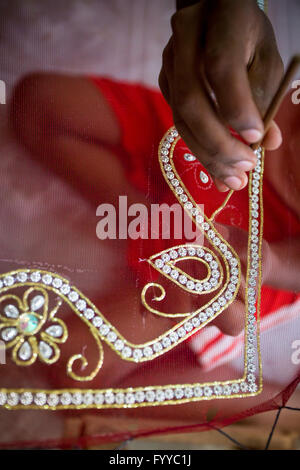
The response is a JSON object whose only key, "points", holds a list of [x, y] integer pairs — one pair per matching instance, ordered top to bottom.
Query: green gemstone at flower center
{"points": [[28, 323]]}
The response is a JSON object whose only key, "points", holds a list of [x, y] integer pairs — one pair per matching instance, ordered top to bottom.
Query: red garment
{"points": [[144, 117]]}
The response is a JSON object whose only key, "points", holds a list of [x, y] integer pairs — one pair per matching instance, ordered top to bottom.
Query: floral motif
{"points": [[29, 329]]}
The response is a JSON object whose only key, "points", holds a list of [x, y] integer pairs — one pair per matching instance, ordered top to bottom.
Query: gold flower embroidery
{"points": [[28, 328]]}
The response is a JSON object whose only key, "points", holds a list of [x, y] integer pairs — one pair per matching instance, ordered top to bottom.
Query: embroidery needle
{"points": [[279, 95]]}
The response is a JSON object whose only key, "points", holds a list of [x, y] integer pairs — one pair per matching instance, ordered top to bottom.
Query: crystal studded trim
{"points": [[249, 384]]}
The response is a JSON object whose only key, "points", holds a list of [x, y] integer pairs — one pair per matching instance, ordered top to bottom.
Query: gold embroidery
{"points": [[151, 395]]}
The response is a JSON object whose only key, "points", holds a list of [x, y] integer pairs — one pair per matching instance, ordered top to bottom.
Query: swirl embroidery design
{"points": [[31, 332]]}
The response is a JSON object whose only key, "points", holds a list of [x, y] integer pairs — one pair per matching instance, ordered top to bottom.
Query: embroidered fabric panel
{"points": [[33, 331]]}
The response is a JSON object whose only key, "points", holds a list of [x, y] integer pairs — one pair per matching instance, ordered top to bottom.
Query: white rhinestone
{"points": [[189, 157], [168, 167], [170, 175], [203, 177], [178, 190], [183, 197], [188, 206], [194, 211], [199, 219], [205, 226], [211, 234], [217, 241], [182, 252], [200, 252], [173, 254], [165, 257], [208, 257], [233, 262], [159, 263], [214, 265], [166, 269], [215, 273], [174, 274], [22, 277], [47, 279], [182, 279], [8, 281], [213, 282], [57, 283], [190, 285], [207, 285], [199, 287], [65, 289], [228, 295], [73, 296], [222, 301], [37, 302], [81, 304], [216, 306], [11, 311], [209, 312], [89, 313], [202, 317], [97, 321], [196, 322], [188, 326], [104, 329], [55, 330], [181, 332], [9, 333], [111, 336], [174, 337], [166, 342], [119, 345], [157, 347], [45, 350], [25, 351], [127, 351], [148, 351], [137, 354], [251, 378], [244, 387], [235, 388], [252, 388], [218, 390], [227, 390], [207, 391], [188, 392], [198, 392], [178, 393], [169, 394], [150, 395], [160, 395], [140, 396], [120, 397], [3, 398], [26, 398], [77, 398], [88, 398], [99, 398], [129, 398], [12, 399], [40, 399], [52, 399], [66, 399]]}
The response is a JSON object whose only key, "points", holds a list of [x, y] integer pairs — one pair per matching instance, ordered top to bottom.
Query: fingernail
{"points": [[251, 135], [244, 165], [233, 182]]}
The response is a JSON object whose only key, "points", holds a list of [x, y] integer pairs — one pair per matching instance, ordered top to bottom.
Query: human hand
{"points": [[221, 69]]}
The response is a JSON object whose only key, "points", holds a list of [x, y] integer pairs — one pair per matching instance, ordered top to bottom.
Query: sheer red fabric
{"points": [[185, 376]]}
